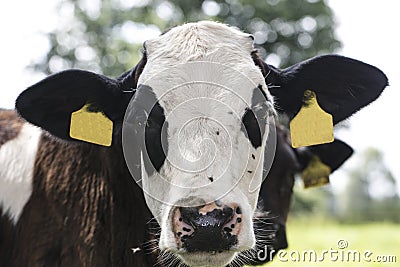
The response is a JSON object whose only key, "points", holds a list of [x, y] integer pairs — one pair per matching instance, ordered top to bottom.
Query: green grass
{"points": [[320, 235]]}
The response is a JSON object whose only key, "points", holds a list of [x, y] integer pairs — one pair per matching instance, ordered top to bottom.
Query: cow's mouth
{"points": [[207, 235]]}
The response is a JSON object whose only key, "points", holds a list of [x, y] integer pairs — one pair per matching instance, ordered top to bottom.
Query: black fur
{"points": [[342, 85], [50, 102], [254, 118], [146, 130], [332, 154]]}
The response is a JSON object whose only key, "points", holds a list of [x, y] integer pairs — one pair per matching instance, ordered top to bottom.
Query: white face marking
{"points": [[204, 77], [17, 158]]}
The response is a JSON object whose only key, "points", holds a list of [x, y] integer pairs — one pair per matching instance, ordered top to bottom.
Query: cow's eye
{"points": [[149, 123]]}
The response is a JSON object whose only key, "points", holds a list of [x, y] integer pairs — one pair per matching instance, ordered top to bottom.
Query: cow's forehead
{"points": [[193, 41], [202, 60], [201, 87]]}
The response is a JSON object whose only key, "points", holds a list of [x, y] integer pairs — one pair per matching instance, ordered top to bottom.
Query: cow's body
{"points": [[70, 203]]}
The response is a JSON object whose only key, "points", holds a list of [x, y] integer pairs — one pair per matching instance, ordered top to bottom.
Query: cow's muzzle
{"points": [[210, 228]]}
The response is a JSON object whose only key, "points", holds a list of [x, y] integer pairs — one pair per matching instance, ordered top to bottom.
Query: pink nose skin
{"points": [[193, 227]]}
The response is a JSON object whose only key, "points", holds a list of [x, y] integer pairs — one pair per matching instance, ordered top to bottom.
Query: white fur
{"points": [[204, 77], [17, 158]]}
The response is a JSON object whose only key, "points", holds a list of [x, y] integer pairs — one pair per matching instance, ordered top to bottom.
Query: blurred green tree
{"points": [[105, 36], [371, 193], [318, 201]]}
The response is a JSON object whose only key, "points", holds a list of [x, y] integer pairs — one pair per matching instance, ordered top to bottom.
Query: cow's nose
{"points": [[209, 228]]}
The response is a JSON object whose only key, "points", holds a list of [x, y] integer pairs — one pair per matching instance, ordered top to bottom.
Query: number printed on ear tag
{"points": [[312, 125], [92, 127]]}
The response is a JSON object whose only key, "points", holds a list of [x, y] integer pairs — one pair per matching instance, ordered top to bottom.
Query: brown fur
{"points": [[10, 125], [7, 232]]}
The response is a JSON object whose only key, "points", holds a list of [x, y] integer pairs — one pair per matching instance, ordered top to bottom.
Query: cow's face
{"points": [[208, 104], [196, 127]]}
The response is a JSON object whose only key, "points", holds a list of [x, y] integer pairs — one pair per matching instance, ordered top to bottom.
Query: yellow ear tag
{"points": [[312, 125], [92, 127], [316, 174]]}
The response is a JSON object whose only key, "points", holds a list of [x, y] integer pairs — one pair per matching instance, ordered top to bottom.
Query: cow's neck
{"points": [[88, 202], [147, 237]]}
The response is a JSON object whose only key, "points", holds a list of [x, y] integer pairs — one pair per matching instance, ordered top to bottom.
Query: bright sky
{"points": [[367, 28], [369, 32]]}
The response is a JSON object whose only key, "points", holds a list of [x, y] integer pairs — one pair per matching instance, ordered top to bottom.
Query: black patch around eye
{"points": [[253, 123], [251, 128], [145, 131], [155, 137]]}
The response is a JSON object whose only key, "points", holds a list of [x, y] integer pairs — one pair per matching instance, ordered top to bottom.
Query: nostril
{"points": [[188, 212], [227, 212], [194, 227]]}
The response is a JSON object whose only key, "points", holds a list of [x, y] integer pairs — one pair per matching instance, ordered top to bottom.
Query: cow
{"points": [[199, 92], [270, 219]]}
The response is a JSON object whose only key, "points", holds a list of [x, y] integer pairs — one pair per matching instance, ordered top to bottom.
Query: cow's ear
{"points": [[342, 85], [49, 103], [331, 154], [318, 162]]}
